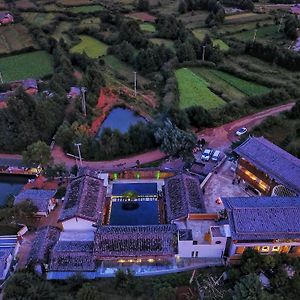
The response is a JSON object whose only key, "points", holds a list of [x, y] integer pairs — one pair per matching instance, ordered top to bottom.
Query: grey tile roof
{"points": [[271, 159], [183, 196], [40, 198], [85, 198], [262, 218], [45, 239], [128, 241], [72, 256]]}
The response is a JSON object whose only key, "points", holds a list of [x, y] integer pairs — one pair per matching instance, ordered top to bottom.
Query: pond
{"points": [[121, 119], [11, 184]]}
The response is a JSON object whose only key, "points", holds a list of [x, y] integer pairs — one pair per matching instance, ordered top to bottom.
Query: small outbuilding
{"points": [[43, 199]]}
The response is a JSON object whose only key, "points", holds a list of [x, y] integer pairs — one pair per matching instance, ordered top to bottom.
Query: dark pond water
{"points": [[121, 119], [11, 184], [145, 214]]}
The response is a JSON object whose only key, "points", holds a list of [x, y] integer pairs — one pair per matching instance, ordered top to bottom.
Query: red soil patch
{"points": [[143, 16], [107, 100], [42, 183]]}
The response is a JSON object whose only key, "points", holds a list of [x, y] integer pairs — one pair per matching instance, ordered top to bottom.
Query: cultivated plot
{"points": [[35, 64], [194, 91]]}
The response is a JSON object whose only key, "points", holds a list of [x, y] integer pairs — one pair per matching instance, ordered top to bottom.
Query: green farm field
{"points": [[86, 9], [38, 18], [147, 27], [61, 31], [261, 34], [200, 35], [15, 38], [92, 47], [27, 65], [123, 69], [246, 87], [228, 90], [194, 91]]}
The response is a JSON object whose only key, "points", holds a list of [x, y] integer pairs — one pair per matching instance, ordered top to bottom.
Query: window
{"points": [[195, 242], [218, 242], [257, 248], [265, 249], [276, 249], [239, 250], [193, 253], [196, 254]]}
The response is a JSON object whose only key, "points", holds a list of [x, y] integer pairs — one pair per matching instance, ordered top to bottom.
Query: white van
{"points": [[216, 155]]}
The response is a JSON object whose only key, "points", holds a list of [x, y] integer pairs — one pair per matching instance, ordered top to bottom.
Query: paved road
{"points": [[219, 137]]}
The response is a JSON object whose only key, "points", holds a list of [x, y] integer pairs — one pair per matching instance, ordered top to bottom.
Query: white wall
{"points": [[78, 224], [185, 249], [8, 263]]}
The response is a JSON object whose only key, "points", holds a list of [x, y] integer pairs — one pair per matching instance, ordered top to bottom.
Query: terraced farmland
{"points": [[15, 38], [92, 47], [35, 64], [246, 87], [228, 90], [194, 91]]}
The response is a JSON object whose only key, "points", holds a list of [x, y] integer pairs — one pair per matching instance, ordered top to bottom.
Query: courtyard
{"points": [[221, 184]]}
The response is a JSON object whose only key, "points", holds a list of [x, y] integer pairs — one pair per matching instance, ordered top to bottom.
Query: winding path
{"points": [[219, 137]]}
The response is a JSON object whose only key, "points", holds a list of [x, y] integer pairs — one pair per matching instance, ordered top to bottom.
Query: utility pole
{"points": [[280, 23], [254, 36], [203, 52], [134, 73], [1, 78], [83, 103], [79, 153]]}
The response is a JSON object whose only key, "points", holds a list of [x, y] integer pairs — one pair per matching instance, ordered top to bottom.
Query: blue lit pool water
{"points": [[121, 119], [10, 184], [145, 214]]}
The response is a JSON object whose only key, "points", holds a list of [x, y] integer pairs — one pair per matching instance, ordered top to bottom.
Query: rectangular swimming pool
{"points": [[142, 189], [145, 214]]}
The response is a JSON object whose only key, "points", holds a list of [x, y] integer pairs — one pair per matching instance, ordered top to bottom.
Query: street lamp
{"points": [[203, 52], [134, 73], [83, 103]]}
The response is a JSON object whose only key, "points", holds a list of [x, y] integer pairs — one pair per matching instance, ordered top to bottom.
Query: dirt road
{"points": [[219, 137]]}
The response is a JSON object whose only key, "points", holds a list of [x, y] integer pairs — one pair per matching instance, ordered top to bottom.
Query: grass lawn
{"points": [[86, 9], [148, 27], [168, 43], [223, 46], [92, 47], [27, 65], [246, 87], [194, 91], [229, 91]]}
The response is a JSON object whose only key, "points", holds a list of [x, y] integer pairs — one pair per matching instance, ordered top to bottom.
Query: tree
{"points": [[143, 5], [182, 7], [290, 27], [174, 141], [38, 153], [24, 213], [124, 281], [25, 285], [249, 287], [164, 291], [88, 292]]}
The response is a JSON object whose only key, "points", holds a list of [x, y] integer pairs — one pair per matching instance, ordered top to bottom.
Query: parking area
{"points": [[221, 184]]}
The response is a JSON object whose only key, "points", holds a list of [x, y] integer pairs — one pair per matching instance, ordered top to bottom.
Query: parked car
{"points": [[241, 131], [206, 154], [216, 155]]}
